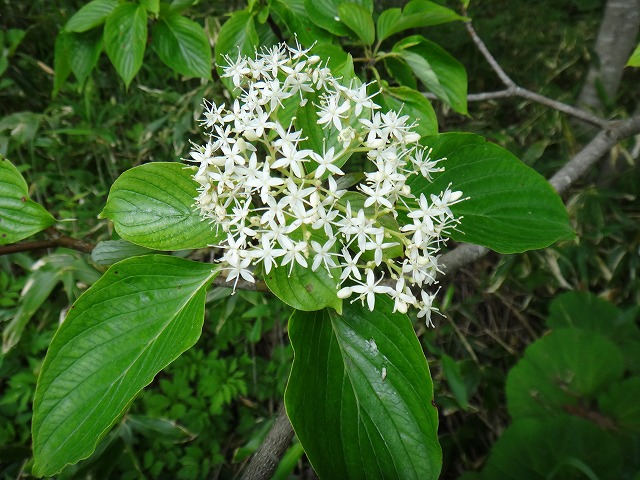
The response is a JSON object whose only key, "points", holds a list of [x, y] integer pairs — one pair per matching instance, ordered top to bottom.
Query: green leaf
{"points": [[152, 6], [178, 6], [325, 14], [416, 14], [90, 16], [295, 18], [358, 19], [238, 36], [125, 39], [182, 45], [83, 51], [634, 60], [61, 66], [398, 69], [441, 73], [412, 103], [152, 206], [511, 208], [20, 217], [112, 251], [39, 285], [304, 289], [139, 317], [555, 376], [454, 378], [360, 394], [620, 403], [165, 431], [559, 448]]}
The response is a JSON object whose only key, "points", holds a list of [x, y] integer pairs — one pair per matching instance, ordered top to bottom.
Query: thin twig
{"points": [[513, 90], [57, 239]]}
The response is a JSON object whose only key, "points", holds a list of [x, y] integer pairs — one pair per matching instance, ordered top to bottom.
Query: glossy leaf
{"points": [[152, 6], [325, 14], [416, 14], [90, 15], [295, 18], [358, 19], [238, 36], [125, 39], [182, 45], [83, 51], [440, 72], [409, 102], [152, 206], [511, 208], [20, 217], [304, 289], [132, 323], [555, 376], [360, 394]]}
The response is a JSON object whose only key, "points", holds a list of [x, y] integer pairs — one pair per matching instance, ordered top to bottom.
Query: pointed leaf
{"points": [[324, 13], [416, 14], [91, 15], [295, 18], [358, 19], [386, 22], [125, 39], [182, 45], [83, 51], [634, 60], [61, 66], [437, 70], [412, 103], [152, 206], [511, 208], [20, 217], [113, 251], [139, 317], [360, 394]]}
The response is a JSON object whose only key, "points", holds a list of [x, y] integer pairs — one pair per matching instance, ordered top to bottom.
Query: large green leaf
{"points": [[325, 13], [416, 14], [90, 15], [295, 18], [358, 19], [125, 39], [182, 44], [441, 73], [412, 103], [152, 206], [511, 207], [20, 217], [139, 317], [556, 377], [360, 394], [620, 403], [565, 448]]}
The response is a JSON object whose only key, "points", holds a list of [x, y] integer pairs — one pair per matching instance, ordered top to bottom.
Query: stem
{"points": [[57, 240]]}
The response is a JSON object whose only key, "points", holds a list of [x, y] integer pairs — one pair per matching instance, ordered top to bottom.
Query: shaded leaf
{"points": [[325, 14], [90, 15], [358, 19], [238, 36], [125, 39], [409, 102]]}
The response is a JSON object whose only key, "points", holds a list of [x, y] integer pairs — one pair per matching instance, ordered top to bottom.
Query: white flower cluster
{"points": [[282, 204]]}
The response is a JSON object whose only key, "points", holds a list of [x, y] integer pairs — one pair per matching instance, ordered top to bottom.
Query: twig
{"points": [[513, 90], [57, 240], [266, 459]]}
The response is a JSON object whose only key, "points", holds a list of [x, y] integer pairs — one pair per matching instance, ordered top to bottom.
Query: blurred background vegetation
{"points": [[207, 412]]}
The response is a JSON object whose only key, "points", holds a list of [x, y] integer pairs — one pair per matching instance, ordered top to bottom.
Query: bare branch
{"points": [[513, 90], [57, 240]]}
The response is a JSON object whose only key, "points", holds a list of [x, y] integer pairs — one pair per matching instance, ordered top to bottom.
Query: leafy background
{"points": [[209, 409]]}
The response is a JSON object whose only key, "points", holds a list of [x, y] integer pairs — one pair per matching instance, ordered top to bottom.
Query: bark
{"points": [[614, 44]]}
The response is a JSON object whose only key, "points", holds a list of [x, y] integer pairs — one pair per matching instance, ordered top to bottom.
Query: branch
{"points": [[513, 90], [57, 240], [266, 459]]}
